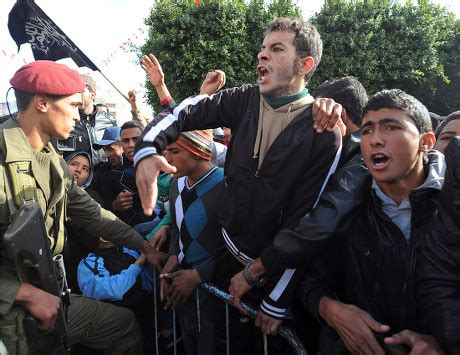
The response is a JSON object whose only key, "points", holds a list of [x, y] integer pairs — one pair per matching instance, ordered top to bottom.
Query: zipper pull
{"points": [[256, 174]]}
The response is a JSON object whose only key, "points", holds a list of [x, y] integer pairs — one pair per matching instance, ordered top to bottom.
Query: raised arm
{"points": [[156, 76]]}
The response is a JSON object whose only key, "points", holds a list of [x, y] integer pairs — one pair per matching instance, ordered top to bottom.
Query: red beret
{"points": [[48, 78]]}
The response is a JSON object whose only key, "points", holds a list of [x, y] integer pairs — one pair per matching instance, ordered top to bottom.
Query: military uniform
{"points": [[91, 322]]}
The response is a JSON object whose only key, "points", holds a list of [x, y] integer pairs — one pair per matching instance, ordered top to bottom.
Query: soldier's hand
{"points": [[123, 202], [153, 256], [40, 304]]}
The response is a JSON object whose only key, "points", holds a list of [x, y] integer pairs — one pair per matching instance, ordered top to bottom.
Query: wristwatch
{"points": [[252, 281]]}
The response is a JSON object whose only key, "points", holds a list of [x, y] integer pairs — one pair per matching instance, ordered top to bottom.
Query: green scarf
{"points": [[277, 102]]}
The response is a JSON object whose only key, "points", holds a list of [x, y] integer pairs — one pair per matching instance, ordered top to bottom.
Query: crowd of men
{"points": [[331, 212]]}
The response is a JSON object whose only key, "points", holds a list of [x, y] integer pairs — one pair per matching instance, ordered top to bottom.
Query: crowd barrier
{"points": [[287, 333]]}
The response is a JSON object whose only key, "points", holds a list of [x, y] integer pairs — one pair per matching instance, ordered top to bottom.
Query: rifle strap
{"points": [[23, 188], [12, 207]]}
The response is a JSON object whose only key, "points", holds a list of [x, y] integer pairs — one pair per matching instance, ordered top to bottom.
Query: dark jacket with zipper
{"points": [[90, 129], [122, 178], [255, 202], [370, 264], [438, 266]]}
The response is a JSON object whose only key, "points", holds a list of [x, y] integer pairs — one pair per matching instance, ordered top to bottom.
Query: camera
{"points": [[65, 145]]}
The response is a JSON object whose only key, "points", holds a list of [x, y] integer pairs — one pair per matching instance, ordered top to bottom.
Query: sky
{"points": [[101, 29]]}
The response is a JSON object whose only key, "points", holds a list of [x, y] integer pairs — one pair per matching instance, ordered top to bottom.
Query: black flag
{"points": [[29, 24]]}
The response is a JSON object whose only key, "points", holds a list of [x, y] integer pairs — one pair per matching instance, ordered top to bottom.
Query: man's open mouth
{"points": [[262, 73], [379, 160]]}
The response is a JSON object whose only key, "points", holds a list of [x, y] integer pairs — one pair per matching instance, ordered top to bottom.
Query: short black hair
{"points": [[307, 40], [348, 92], [23, 98], [400, 100], [450, 117], [435, 120], [131, 124]]}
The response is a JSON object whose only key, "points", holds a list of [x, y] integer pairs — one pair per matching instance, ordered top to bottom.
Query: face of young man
{"points": [[278, 67], [61, 116], [451, 130], [129, 139], [391, 147], [113, 153], [182, 159], [79, 167]]}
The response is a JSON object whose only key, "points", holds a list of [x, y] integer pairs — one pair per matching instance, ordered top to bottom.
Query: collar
{"points": [[277, 102], [90, 116], [18, 147], [125, 162], [434, 164], [209, 172], [386, 200]]}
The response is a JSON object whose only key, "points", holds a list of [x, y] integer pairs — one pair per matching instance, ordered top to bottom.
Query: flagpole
{"points": [[126, 97]]}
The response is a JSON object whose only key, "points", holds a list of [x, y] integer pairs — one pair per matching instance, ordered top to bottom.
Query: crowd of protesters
{"points": [[334, 213]]}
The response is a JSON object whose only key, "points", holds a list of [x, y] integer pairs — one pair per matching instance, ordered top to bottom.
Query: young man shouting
{"points": [[276, 165], [363, 287]]}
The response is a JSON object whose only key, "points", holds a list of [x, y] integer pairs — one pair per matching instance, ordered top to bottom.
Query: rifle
{"points": [[26, 241]]}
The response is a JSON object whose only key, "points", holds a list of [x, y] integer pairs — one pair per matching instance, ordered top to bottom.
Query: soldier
{"points": [[48, 97]]}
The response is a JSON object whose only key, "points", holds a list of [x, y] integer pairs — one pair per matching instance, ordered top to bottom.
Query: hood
{"points": [[435, 165], [91, 169]]}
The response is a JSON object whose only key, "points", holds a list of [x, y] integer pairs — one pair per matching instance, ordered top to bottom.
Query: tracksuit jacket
{"points": [[256, 203], [96, 281]]}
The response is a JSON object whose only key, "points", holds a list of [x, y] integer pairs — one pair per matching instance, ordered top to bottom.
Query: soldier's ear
{"points": [[41, 103]]}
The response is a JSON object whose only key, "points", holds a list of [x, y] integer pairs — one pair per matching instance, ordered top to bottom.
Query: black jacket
{"points": [[90, 129], [122, 178], [344, 191], [255, 202], [370, 264], [438, 267]]}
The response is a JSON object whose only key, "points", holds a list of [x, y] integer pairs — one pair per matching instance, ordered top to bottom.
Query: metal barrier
{"points": [[287, 333]]}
